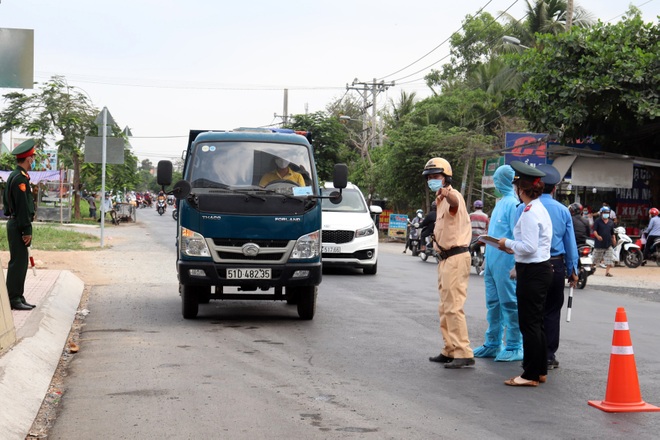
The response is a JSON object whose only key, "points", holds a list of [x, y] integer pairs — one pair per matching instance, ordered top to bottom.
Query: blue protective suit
{"points": [[501, 304]]}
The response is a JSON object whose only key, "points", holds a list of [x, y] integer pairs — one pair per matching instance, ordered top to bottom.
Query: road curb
{"points": [[27, 369]]}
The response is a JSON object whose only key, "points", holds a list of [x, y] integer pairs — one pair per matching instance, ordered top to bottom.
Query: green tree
{"points": [[601, 82], [56, 111], [328, 140]]}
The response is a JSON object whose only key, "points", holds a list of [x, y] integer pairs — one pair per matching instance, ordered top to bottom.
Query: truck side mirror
{"points": [[164, 173], [340, 176], [181, 189]]}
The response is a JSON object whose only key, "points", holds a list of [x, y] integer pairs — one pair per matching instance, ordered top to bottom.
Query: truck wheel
{"points": [[370, 270], [306, 301], [189, 302]]}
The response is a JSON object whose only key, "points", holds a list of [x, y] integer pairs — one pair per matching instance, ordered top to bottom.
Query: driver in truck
{"points": [[282, 172]]}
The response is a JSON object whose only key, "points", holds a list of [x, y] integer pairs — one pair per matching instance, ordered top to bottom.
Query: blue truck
{"points": [[249, 218]]}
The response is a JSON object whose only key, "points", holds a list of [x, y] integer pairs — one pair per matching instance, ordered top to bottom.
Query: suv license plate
{"points": [[331, 249], [248, 274]]}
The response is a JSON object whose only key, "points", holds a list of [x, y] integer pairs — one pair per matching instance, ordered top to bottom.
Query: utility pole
{"points": [[374, 88], [285, 115]]}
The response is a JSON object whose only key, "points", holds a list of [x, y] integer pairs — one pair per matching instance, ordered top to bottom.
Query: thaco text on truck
{"points": [[244, 232]]}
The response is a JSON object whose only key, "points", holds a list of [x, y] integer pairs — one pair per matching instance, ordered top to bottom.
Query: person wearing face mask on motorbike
{"points": [[282, 172], [19, 207], [452, 233]]}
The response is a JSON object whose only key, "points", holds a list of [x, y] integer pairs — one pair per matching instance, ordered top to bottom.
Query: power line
{"points": [[436, 47]]}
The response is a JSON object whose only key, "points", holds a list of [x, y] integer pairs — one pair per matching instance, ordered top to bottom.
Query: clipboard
{"points": [[487, 239]]}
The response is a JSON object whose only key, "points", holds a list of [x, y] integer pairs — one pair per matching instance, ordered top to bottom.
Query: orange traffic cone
{"points": [[623, 393]]}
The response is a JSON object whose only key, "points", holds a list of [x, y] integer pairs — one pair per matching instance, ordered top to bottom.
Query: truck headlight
{"points": [[365, 232], [193, 244], [307, 246]]}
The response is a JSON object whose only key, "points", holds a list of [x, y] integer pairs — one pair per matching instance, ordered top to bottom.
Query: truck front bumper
{"points": [[202, 273]]}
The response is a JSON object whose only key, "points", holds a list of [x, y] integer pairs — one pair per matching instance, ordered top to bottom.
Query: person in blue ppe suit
{"points": [[501, 303]]}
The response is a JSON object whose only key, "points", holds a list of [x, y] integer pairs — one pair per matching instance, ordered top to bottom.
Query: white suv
{"points": [[349, 235]]}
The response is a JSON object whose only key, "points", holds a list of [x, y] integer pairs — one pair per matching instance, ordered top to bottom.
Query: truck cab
{"points": [[249, 218]]}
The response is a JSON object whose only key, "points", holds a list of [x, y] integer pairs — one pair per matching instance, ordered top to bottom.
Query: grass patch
{"points": [[48, 238]]}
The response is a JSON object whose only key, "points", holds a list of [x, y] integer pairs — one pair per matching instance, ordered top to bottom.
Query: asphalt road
{"points": [[360, 369]]}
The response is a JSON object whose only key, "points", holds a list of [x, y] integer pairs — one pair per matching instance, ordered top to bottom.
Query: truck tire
{"points": [[291, 296], [306, 301], [189, 302]]}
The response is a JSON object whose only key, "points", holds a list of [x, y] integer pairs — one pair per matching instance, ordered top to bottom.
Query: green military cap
{"points": [[25, 149], [525, 172]]}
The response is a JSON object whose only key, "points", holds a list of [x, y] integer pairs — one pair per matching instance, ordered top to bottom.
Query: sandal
{"points": [[608, 275], [520, 382]]}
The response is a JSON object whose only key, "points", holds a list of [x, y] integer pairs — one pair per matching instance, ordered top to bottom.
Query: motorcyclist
{"points": [[161, 198], [419, 215], [479, 219], [580, 224], [427, 225], [652, 231]]}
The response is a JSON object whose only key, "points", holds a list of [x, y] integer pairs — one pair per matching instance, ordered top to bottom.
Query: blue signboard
{"points": [[529, 148]]}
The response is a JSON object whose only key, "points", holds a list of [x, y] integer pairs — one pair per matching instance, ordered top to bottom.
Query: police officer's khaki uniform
{"points": [[453, 231]]}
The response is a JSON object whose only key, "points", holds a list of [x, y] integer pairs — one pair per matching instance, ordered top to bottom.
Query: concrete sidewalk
{"points": [[27, 368]]}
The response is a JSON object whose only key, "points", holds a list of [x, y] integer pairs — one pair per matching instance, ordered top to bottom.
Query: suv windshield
{"points": [[251, 165], [351, 201]]}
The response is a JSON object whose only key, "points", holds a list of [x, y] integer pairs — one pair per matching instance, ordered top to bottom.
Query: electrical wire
{"points": [[435, 48]]}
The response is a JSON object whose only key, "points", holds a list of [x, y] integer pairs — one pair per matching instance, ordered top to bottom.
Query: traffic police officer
{"points": [[19, 207], [563, 258]]}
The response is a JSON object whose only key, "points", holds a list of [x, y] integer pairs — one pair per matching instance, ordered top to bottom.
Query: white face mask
{"points": [[281, 163]]}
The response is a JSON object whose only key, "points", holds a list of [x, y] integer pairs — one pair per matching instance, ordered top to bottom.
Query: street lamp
{"points": [[514, 41]]}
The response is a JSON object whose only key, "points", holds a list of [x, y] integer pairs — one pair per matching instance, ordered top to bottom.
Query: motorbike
{"points": [[160, 207], [175, 212], [414, 242], [429, 251], [477, 251], [625, 251], [654, 254], [586, 266]]}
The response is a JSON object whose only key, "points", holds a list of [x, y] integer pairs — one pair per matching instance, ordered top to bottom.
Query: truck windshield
{"points": [[284, 168]]}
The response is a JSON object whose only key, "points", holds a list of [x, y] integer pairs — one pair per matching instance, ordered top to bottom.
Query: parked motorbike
{"points": [[160, 207], [429, 251], [625, 251], [477, 252], [654, 253], [586, 266]]}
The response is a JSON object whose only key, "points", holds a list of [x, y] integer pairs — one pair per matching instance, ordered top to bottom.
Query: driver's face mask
{"points": [[281, 163]]}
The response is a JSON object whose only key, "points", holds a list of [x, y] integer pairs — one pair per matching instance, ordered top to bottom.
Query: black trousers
{"points": [[647, 247], [18, 263], [534, 280], [554, 301]]}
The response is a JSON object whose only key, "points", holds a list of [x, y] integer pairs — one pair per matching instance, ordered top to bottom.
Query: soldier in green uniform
{"points": [[19, 207]]}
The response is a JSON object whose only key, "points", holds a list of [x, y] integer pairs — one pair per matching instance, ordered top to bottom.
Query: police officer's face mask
{"points": [[435, 184]]}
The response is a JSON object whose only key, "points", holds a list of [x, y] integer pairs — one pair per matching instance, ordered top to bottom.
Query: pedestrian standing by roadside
{"points": [[92, 206], [19, 207], [452, 234], [605, 240], [531, 249], [563, 258]]}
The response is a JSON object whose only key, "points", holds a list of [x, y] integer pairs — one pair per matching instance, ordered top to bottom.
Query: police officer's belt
{"points": [[453, 251]]}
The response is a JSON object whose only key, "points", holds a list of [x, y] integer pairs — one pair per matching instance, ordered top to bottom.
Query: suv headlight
{"points": [[365, 232], [193, 244], [307, 246]]}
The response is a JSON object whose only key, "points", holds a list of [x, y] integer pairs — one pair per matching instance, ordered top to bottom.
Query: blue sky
{"points": [[164, 67]]}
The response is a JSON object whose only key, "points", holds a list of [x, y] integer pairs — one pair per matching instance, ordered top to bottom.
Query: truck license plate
{"points": [[331, 249], [248, 274]]}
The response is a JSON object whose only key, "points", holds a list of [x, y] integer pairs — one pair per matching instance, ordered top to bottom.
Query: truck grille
{"points": [[337, 236]]}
